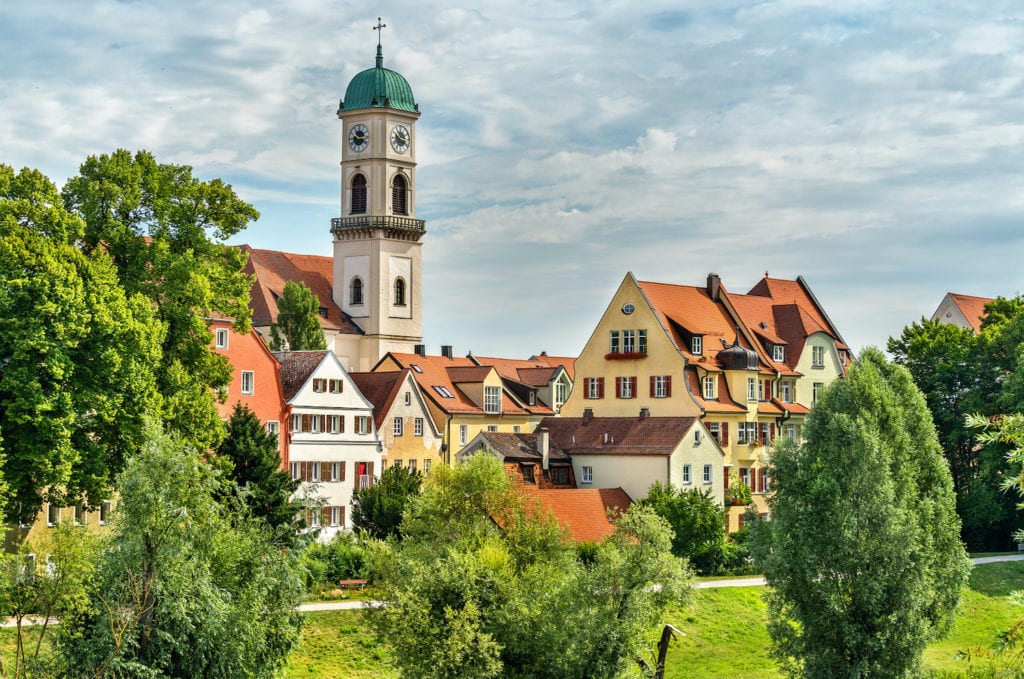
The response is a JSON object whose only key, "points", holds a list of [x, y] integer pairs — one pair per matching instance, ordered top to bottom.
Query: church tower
{"points": [[377, 239]]}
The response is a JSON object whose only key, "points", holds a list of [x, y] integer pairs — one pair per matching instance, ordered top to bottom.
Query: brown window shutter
{"points": [[633, 383], [652, 386], [668, 386], [600, 387], [618, 387], [307, 423], [323, 423], [341, 424], [771, 428], [725, 433], [369, 471], [342, 472], [725, 476], [760, 480], [325, 516], [341, 519], [741, 520]]}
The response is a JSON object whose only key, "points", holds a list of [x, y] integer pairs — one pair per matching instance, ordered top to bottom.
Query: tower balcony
{"points": [[387, 226]]}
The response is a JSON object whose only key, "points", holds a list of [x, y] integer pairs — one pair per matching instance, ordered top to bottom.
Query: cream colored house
{"points": [[408, 434]]}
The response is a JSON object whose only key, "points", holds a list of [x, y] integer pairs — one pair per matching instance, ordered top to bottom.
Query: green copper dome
{"points": [[378, 87]]}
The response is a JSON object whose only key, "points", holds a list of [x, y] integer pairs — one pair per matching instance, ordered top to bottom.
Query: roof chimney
{"points": [[714, 284], [421, 350], [446, 350], [645, 412], [588, 414], [543, 447]]}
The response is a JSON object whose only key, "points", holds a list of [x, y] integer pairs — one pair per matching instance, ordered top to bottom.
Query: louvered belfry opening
{"points": [[359, 195], [398, 196]]}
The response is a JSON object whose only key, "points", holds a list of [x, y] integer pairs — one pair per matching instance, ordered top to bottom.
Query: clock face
{"points": [[358, 137], [400, 138]]}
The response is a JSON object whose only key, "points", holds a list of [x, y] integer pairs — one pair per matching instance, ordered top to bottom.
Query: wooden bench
{"points": [[351, 584]]}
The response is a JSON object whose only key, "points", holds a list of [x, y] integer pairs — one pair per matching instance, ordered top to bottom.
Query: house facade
{"points": [[965, 311], [748, 366], [333, 442]]}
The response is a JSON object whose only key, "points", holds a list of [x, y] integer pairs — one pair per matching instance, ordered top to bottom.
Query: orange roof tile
{"points": [[272, 269], [973, 308], [380, 389], [583, 512]]}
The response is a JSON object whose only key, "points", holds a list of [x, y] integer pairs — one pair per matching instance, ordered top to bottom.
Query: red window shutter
{"points": [[652, 386], [668, 386], [600, 387], [618, 387], [633, 387], [341, 424], [771, 429], [725, 433], [725, 476], [760, 480], [325, 516]]}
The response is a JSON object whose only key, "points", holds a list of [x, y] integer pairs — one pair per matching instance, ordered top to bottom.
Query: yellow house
{"points": [[749, 366], [465, 398]]}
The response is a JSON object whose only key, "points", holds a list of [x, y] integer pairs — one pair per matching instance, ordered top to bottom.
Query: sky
{"points": [[874, 148]]}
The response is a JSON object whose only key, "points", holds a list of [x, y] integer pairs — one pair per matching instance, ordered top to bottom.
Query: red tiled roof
{"points": [[272, 269], [782, 291], [973, 308], [296, 367], [514, 368], [463, 374], [380, 389], [624, 435], [583, 512]]}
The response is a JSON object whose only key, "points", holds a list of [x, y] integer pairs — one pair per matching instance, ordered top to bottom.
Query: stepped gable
{"points": [[272, 269], [296, 368], [381, 389]]}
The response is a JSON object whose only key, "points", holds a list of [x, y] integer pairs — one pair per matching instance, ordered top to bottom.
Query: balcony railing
{"points": [[390, 222]]}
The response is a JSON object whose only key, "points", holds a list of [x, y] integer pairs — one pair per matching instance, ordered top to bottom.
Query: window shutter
{"points": [[652, 386], [668, 386], [600, 387], [618, 387], [307, 423], [341, 424], [771, 429], [725, 433], [369, 471], [341, 476], [725, 477], [760, 480], [325, 516], [341, 519], [741, 520]]}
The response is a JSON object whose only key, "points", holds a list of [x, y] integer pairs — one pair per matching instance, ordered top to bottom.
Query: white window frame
{"points": [[222, 338], [628, 341], [613, 342], [697, 345], [779, 353], [817, 357], [248, 382], [660, 384], [335, 386], [627, 387], [710, 387], [751, 388], [593, 389], [786, 391], [816, 391], [561, 392], [492, 400], [296, 423], [363, 424], [398, 426], [417, 426], [274, 427], [516, 428], [492, 429], [715, 429], [463, 434], [294, 470], [314, 472], [335, 472], [586, 474], [707, 474], [687, 475], [106, 507], [335, 516]]}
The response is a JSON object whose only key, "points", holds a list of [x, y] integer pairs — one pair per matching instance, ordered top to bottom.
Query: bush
{"points": [[340, 559]]}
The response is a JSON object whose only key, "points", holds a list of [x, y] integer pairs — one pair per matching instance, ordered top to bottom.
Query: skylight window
{"points": [[416, 368], [443, 391]]}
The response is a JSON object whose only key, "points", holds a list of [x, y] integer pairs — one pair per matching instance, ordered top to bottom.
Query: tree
{"points": [[165, 231], [297, 327], [77, 356], [252, 464], [377, 509], [697, 521], [863, 556], [185, 588], [466, 598]]}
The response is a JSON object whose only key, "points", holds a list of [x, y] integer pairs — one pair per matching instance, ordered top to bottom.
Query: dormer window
{"points": [[697, 345], [778, 353], [711, 387], [492, 400]]}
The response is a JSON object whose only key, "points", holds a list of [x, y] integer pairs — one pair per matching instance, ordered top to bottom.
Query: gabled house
{"points": [[965, 311], [749, 366], [538, 379], [255, 380], [465, 398], [407, 431], [333, 444], [529, 459]]}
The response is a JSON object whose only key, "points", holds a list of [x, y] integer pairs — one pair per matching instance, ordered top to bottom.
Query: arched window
{"points": [[359, 195], [398, 196], [356, 291], [399, 292]]}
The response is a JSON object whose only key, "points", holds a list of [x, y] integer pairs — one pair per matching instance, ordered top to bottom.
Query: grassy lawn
{"points": [[725, 637]]}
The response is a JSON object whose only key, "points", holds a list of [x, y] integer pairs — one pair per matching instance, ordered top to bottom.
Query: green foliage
{"points": [[165, 231], [298, 326], [77, 355], [959, 373], [250, 458], [738, 493], [377, 509], [698, 523], [863, 555], [343, 558], [185, 588], [466, 598]]}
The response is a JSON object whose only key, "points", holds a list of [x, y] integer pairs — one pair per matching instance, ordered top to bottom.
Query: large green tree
{"points": [[165, 231], [297, 327], [77, 355], [250, 458], [378, 509], [697, 521], [863, 557], [186, 587], [466, 598]]}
